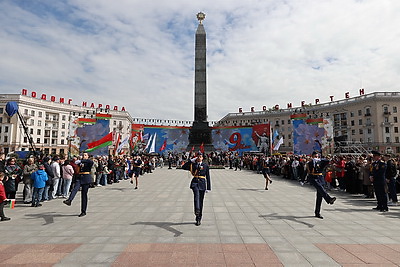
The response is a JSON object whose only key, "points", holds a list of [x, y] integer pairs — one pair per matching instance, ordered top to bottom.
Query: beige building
{"points": [[363, 123], [48, 124]]}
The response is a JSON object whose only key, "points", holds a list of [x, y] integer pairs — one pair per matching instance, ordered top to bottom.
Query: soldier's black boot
{"points": [[198, 221]]}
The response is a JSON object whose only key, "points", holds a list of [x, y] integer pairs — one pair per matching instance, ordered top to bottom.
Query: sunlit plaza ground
{"points": [[243, 225]]}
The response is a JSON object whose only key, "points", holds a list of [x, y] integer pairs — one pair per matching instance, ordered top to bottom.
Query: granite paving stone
{"points": [[243, 225]]}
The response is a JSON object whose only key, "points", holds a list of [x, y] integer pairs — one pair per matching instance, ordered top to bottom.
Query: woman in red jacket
{"points": [[340, 164], [2, 199]]}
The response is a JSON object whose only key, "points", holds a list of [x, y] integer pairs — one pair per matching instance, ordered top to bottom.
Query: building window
{"points": [[385, 109], [394, 109], [1, 110], [367, 111], [25, 112], [359, 112], [40, 114], [352, 114], [63, 117], [386, 119], [395, 119], [1, 120], [289, 121], [114, 122], [283, 122], [360, 122], [39, 123], [352, 123], [63, 126], [6, 129], [396, 129], [387, 130], [31, 131], [38, 131], [360, 131], [369, 131], [353, 132], [62, 134], [289, 136], [5, 139], [387, 139], [396, 139], [25, 140], [38, 141], [53, 141], [62, 141]]}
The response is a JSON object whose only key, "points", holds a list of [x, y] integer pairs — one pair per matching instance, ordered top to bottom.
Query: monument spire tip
{"points": [[201, 16]]}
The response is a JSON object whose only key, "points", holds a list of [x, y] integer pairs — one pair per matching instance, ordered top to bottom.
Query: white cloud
{"points": [[140, 54]]}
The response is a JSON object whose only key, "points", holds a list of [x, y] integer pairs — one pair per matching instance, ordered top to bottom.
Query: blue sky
{"points": [[140, 54]]}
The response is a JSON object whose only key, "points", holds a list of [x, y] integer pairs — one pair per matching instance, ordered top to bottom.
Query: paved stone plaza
{"points": [[243, 225]]}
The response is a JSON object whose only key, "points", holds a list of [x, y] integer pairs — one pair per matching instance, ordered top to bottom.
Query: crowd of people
{"points": [[49, 178]]}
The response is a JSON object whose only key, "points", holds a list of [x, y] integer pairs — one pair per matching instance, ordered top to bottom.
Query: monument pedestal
{"points": [[200, 133]]}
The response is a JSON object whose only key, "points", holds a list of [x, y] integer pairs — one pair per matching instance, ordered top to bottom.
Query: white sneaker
{"points": [[301, 183], [99, 185]]}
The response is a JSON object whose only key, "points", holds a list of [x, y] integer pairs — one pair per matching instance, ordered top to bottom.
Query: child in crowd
{"points": [[39, 178], [3, 198]]}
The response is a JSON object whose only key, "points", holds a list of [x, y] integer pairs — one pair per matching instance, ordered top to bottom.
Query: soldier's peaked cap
{"points": [[376, 153]]}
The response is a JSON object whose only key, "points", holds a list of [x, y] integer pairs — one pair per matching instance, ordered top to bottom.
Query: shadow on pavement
{"points": [[120, 189], [251, 189], [48, 216], [275, 216], [164, 225]]}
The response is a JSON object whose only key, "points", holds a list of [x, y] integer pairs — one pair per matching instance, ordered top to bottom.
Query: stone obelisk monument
{"points": [[200, 133]]}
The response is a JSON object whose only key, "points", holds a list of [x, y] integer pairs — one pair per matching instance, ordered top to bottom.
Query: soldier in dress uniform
{"points": [[314, 168], [136, 169], [377, 177], [84, 179], [200, 184]]}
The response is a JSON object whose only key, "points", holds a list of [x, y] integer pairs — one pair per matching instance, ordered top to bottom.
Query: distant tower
{"points": [[200, 75], [200, 133]]}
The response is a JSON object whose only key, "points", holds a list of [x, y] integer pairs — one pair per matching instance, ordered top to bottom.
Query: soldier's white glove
{"points": [[208, 191]]}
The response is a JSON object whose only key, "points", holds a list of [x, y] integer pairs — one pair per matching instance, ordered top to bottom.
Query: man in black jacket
{"points": [[391, 174], [49, 183]]}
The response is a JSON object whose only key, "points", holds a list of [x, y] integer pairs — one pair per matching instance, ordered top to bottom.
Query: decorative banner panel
{"points": [[90, 133], [312, 135], [163, 139], [241, 139]]}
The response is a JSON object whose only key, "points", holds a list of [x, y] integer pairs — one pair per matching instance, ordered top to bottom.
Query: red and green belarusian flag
{"points": [[101, 116], [301, 116], [86, 121], [315, 121], [104, 141]]}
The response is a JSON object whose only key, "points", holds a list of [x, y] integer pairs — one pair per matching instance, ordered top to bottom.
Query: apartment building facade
{"points": [[370, 121], [48, 124]]}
